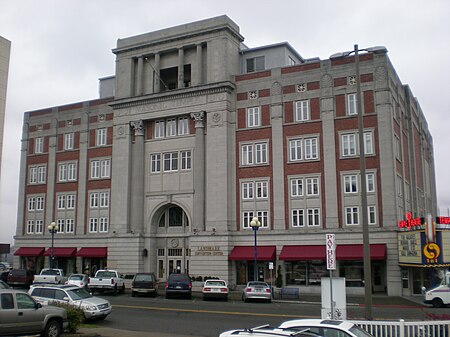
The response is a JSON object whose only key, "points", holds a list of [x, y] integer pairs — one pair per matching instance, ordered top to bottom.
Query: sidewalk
{"points": [[377, 300]]}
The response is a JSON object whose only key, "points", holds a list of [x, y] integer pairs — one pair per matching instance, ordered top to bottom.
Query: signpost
{"points": [[331, 265]]}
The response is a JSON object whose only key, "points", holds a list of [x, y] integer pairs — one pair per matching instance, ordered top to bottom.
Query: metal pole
{"points": [[365, 224], [52, 256], [255, 267], [331, 294]]}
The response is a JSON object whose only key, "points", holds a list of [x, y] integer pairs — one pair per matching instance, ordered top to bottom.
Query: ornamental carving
{"points": [[326, 81], [199, 119], [138, 127]]}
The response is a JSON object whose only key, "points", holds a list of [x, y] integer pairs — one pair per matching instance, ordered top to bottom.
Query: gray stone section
{"points": [[5, 50]]}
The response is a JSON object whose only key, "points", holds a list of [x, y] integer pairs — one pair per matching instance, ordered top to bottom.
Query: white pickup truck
{"points": [[48, 275], [107, 281], [439, 296]]}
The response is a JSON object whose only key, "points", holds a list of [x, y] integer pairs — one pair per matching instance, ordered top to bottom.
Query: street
{"points": [[208, 318]]}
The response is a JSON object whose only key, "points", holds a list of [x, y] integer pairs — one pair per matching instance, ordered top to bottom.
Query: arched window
{"points": [[173, 216]]}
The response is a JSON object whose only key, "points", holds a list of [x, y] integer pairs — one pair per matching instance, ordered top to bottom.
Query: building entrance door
{"points": [[174, 266], [378, 277]]}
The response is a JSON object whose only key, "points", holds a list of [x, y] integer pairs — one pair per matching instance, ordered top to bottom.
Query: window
{"points": [[255, 64], [351, 105], [302, 111], [253, 117], [183, 126], [171, 127], [159, 129], [100, 139], [68, 141], [368, 143], [39, 145], [348, 145], [306, 146], [397, 147], [310, 148], [295, 149], [254, 154], [185, 160], [170, 161], [155, 162], [100, 168], [62, 172], [67, 172], [37, 174], [41, 174], [370, 182], [350, 183], [312, 186], [399, 186], [296, 187], [261, 189], [247, 190], [70, 198], [104, 199], [93, 200], [61, 202], [39, 203], [31, 204], [35, 204], [371, 212], [173, 216], [351, 216], [263, 217], [313, 217], [247, 218], [298, 218], [61, 225], [70, 225], [93, 225], [103, 225], [39, 226], [30, 227], [307, 273]]}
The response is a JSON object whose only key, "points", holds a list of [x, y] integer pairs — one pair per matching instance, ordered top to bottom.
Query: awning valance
{"points": [[29, 251], [61, 251], [92, 252], [356, 252], [264, 253], [302, 253]]}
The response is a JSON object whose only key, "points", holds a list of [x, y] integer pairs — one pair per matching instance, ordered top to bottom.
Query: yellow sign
{"points": [[431, 251]]}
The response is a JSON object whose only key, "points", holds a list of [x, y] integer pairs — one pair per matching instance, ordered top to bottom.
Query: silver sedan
{"points": [[257, 290]]}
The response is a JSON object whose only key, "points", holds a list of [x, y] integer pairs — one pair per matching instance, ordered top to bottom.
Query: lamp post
{"points": [[362, 167], [255, 224], [53, 229]]}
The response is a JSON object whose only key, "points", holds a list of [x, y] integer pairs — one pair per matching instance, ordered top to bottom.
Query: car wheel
{"points": [[115, 290], [122, 290], [133, 294], [155, 294], [167, 296], [437, 303], [52, 329]]}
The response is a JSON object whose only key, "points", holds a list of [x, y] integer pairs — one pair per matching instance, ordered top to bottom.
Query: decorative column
{"points": [[199, 65], [180, 68], [156, 75], [140, 76], [199, 171], [137, 178]]}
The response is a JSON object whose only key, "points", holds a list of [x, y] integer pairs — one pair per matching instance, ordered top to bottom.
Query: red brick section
{"points": [[351, 59], [300, 67], [252, 76], [366, 78], [340, 81], [313, 85], [289, 89], [264, 93], [242, 96], [369, 103], [340, 105], [72, 106], [315, 108], [40, 112], [289, 112], [265, 115], [109, 117], [93, 119], [76, 121], [61, 124], [241, 124], [46, 126], [149, 129], [192, 129], [76, 140], [59, 142], [30, 149], [67, 155], [405, 155], [37, 159], [261, 171]]}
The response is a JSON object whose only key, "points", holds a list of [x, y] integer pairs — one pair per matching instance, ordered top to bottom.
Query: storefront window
{"points": [[353, 271], [306, 273]]}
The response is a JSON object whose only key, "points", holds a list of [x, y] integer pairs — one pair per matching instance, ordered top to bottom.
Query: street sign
{"points": [[331, 251], [270, 265]]}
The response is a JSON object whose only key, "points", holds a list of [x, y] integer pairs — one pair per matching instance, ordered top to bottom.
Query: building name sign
{"points": [[443, 220], [410, 222], [209, 251]]}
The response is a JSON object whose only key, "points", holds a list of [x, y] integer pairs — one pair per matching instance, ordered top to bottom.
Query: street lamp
{"points": [[362, 165], [255, 224], [53, 229]]}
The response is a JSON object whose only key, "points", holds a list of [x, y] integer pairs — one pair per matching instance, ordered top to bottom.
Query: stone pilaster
{"points": [[199, 171], [137, 178]]}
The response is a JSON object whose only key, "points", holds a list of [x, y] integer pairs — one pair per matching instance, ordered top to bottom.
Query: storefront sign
{"points": [[443, 220], [410, 222], [409, 248], [209, 251], [331, 251], [431, 252]]}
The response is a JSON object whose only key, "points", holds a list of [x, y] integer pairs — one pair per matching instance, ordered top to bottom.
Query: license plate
{"points": [[178, 287]]}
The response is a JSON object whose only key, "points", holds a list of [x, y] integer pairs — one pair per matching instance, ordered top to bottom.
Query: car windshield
{"points": [[17, 272], [50, 272], [105, 274], [76, 277], [143, 277], [179, 278], [215, 283], [257, 284], [78, 294], [359, 332]]}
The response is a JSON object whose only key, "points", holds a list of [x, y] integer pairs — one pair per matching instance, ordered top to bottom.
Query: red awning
{"points": [[29, 251], [61, 252], [93, 252], [356, 252], [264, 253], [302, 253]]}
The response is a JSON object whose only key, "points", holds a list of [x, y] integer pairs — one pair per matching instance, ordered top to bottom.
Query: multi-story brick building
{"points": [[196, 134]]}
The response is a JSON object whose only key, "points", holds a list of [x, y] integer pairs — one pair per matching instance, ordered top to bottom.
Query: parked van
{"points": [[439, 296]]}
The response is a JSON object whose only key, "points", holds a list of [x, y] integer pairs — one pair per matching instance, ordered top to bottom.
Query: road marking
{"points": [[211, 311]]}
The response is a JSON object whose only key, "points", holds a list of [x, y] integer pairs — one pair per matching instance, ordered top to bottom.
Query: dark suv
{"points": [[20, 278], [144, 283], [179, 284]]}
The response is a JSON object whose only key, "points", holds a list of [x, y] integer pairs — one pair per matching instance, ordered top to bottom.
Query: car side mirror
{"points": [[65, 298], [38, 305]]}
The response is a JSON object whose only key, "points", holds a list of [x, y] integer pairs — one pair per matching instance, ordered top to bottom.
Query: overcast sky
{"points": [[60, 48]]}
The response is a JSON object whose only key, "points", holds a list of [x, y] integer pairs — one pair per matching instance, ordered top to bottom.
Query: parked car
{"points": [[5, 266], [50, 275], [4, 276], [20, 278], [79, 280], [107, 281], [144, 283], [179, 284], [4, 285], [215, 289], [257, 290], [93, 307], [20, 314], [327, 327], [267, 331]]}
